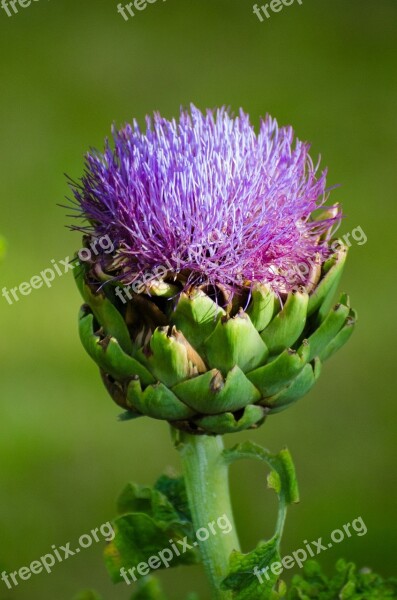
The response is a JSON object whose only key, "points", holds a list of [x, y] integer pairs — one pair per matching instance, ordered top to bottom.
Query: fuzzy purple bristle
{"points": [[208, 196]]}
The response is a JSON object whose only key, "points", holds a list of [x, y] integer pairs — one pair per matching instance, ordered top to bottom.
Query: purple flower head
{"points": [[208, 197]]}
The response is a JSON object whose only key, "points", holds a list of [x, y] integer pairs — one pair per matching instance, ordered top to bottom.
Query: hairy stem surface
{"points": [[207, 483]]}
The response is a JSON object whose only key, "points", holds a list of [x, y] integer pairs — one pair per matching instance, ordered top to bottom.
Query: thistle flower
{"points": [[208, 197], [226, 242]]}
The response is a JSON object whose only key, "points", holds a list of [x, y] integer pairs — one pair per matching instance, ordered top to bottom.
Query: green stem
{"points": [[207, 484]]}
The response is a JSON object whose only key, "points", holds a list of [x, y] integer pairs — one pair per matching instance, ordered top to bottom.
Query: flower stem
{"points": [[207, 485]]}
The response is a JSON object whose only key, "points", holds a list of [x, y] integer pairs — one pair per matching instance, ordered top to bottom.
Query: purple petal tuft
{"points": [[208, 196]]}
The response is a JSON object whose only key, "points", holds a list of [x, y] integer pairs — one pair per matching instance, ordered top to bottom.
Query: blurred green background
{"points": [[70, 69]]}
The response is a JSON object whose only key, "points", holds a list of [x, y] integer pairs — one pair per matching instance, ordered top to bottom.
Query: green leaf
{"points": [[332, 272], [160, 288], [262, 306], [105, 313], [196, 315], [288, 324], [329, 328], [341, 338], [235, 341], [107, 352], [171, 358], [167, 359], [277, 374], [297, 389], [211, 393], [157, 401], [232, 422], [282, 477], [175, 490], [144, 499], [166, 501], [151, 520], [250, 576], [346, 584]]}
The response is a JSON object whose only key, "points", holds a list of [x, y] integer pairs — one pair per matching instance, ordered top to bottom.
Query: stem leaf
{"points": [[282, 477], [151, 518], [250, 575], [243, 581]]}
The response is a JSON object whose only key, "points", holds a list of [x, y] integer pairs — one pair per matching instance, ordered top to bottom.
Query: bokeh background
{"points": [[70, 69]]}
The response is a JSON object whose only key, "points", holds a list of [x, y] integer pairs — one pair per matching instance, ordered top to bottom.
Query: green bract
{"points": [[206, 366]]}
